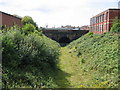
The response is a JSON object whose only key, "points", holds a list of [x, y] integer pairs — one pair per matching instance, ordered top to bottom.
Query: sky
{"points": [[57, 13]]}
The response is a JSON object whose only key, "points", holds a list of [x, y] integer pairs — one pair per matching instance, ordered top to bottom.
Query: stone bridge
{"points": [[64, 36]]}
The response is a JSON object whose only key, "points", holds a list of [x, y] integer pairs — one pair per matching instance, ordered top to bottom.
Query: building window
{"points": [[107, 16], [100, 18], [103, 18], [97, 19], [93, 20], [97, 27], [102, 27], [106, 27]]}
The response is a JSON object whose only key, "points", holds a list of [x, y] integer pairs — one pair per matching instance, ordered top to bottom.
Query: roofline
{"points": [[111, 9], [106, 10], [10, 15], [60, 28]]}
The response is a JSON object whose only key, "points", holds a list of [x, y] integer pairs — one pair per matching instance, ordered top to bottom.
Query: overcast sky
{"points": [[57, 12]]}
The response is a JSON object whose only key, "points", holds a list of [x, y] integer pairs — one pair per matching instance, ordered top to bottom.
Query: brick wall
{"points": [[10, 20], [86, 27]]}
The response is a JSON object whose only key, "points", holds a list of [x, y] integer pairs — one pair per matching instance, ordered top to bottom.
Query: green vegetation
{"points": [[29, 20], [116, 26], [28, 28], [28, 60], [31, 60], [98, 60], [69, 63]]}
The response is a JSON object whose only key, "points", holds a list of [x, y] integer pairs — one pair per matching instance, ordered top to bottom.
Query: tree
{"points": [[28, 20], [116, 26], [28, 28]]}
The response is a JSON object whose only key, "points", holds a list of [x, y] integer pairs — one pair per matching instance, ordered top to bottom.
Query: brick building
{"points": [[9, 20], [102, 22], [85, 27]]}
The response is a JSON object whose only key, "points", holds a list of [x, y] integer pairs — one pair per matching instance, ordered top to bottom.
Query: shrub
{"points": [[116, 26], [28, 28], [28, 60]]}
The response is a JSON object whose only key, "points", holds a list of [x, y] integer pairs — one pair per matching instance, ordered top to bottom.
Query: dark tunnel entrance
{"points": [[64, 41]]}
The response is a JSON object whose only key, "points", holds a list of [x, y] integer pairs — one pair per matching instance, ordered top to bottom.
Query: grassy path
{"points": [[69, 64]]}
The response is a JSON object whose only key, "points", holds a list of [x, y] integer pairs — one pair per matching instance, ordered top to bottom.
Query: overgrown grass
{"points": [[98, 60]]}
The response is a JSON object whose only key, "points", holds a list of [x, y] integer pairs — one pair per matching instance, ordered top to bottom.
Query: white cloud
{"points": [[56, 12]]}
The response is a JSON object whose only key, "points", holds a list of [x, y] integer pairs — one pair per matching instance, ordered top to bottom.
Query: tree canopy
{"points": [[29, 20], [116, 26]]}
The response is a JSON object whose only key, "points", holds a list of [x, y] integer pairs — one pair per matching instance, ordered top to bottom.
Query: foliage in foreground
{"points": [[116, 26], [98, 59], [28, 60]]}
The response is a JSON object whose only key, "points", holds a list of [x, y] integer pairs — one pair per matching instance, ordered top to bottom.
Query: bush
{"points": [[116, 26], [28, 28], [28, 60]]}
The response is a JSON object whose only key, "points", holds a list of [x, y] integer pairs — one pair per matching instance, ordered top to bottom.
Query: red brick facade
{"points": [[9, 20], [102, 22], [85, 27]]}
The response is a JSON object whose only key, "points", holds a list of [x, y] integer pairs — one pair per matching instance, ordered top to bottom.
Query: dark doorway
{"points": [[64, 41]]}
